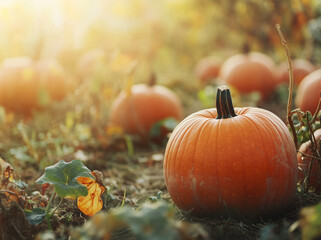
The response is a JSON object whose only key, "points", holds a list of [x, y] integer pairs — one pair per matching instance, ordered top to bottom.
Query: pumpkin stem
{"points": [[246, 48], [152, 80], [224, 103]]}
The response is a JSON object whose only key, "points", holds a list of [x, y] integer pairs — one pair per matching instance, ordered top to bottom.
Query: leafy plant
{"points": [[303, 124], [67, 179], [35, 216], [150, 222]]}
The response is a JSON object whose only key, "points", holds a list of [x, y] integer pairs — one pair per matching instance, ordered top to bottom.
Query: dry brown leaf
{"points": [[6, 173], [44, 188], [9, 190], [92, 203]]}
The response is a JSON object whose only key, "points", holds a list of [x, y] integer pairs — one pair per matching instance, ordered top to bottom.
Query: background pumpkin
{"points": [[301, 68], [207, 69], [249, 72], [53, 78], [22, 81], [308, 92], [139, 109], [304, 161], [240, 164]]}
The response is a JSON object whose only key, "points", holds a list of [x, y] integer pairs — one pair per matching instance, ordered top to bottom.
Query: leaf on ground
{"points": [[6, 173], [64, 176], [44, 187], [12, 190], [7, 197], [92, 203], [35, 216]]}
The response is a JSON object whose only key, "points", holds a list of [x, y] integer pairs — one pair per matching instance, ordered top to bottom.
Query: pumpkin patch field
{"points": [[160, 120]]}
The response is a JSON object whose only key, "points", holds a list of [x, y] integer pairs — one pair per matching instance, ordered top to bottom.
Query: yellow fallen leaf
{"points": [[92, 203]]}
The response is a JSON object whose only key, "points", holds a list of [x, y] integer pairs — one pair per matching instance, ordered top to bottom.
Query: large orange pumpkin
{"points": [[301, 68], [207, 69], [249, 72], [22, 81], [308, 93], [136, 112], [231, 162], [304, 162]]}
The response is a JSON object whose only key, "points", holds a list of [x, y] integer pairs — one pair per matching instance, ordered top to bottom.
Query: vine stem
{"points": [[291, 83], [316, 111], [314, 147], [308, 155], [53, 211], [48, 215]]}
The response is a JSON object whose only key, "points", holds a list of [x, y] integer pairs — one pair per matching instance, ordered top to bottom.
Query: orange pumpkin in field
{"points": [[301, 68], [207, 69], [249, 72], [52, 78], [22, 81], [18, 88], [308, 92], [137, 111], [226, 161], [304, 161]]}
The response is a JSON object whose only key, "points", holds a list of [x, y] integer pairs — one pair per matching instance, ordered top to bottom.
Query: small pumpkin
{"points": [[301, 68], [207, 69], [249, 72], [53, 78], [22, 81], [18, 88], [308, 92], [144, 105], [304, 161], [231, 162]]}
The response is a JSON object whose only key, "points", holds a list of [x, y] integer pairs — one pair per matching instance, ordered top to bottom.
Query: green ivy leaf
{"points": [[64, 178], [35, 216]]}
